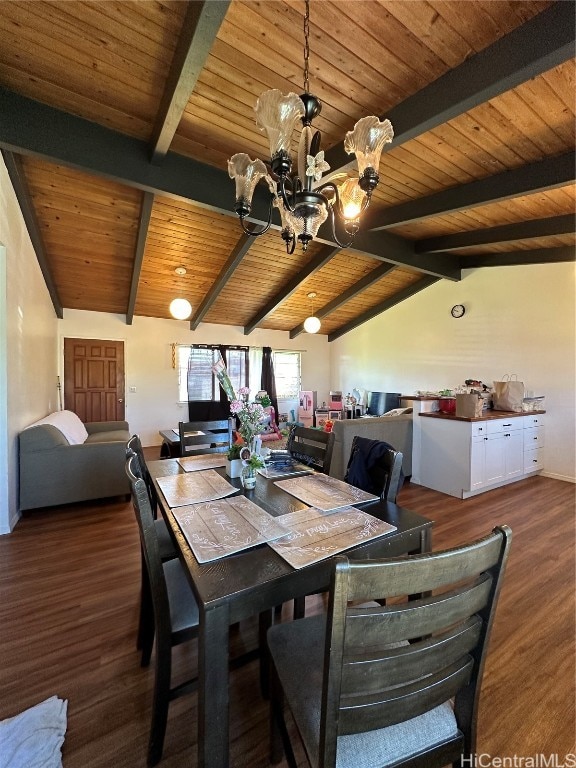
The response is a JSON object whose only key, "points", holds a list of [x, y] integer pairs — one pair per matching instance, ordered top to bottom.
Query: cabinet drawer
{"points": [[533, 421], [500, 426], [479, 428], [533, 438], [533, 460]]}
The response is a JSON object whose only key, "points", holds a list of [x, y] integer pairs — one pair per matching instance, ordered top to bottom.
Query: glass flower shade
{"points": [[276, 115], [367, 141], [246, 173], [351, 199], [306, 221], [289, 224], [180, 309], [312, 324]]}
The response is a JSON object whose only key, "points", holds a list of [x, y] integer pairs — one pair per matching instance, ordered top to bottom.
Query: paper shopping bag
{"points": [[508, 394], [469, 406]]}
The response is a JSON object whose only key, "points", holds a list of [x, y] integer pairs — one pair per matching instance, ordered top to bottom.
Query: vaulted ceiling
{"points": [[117, 119]]}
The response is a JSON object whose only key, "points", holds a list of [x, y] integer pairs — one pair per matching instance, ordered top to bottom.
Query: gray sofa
{"points": [[395, 430], [55, 471]]}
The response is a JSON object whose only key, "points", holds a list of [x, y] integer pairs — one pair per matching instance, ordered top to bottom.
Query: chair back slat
{"points": [[198, 437], [312, 447], [421, 573], [395, 623], [384, 664], [367, 671], [404, 702]]}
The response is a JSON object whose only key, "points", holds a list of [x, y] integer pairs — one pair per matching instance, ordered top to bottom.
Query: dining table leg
{"points": [[426, 540], [265, 621], [213, 692]]}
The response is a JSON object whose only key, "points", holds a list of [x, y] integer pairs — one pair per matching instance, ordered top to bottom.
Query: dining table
{"points": [[256, 580]]}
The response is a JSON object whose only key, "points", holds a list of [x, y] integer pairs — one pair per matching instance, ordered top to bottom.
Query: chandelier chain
{"points": [[306, 46]]}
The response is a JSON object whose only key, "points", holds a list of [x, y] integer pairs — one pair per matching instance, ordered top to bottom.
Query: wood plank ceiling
{"points": [[117, 120]]}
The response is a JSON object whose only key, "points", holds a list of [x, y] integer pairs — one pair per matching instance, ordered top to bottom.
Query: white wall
{"points": [[518, 320], [28, 344], [148, 360]]}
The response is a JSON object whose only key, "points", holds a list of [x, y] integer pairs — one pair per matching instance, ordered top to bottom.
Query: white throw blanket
{"points": [[68, 423], [34, 738]]}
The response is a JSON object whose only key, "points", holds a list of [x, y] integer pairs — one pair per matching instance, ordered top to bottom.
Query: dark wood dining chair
{"points": [[197, 437], [135, 445], [312, 447], [375, 467], [167, 549], [175, 612], [373, 685]]}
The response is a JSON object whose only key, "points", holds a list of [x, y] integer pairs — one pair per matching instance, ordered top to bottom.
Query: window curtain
{"points": [[268, 382]]}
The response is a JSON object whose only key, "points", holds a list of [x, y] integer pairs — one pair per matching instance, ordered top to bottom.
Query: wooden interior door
{"points": [[94, 379]]}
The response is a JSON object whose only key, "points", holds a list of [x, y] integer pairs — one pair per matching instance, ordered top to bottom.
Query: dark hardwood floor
{"points": [[69, 590]]}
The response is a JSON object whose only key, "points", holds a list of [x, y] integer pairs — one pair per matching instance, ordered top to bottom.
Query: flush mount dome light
{"points": [[181, 309]]}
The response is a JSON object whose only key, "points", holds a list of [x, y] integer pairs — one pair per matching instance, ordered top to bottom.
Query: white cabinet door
{"points": [[533, 438], [513, 454], [533, 460], [477, 462], [495, 469]]}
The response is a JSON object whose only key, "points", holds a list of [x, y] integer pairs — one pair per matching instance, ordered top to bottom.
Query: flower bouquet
{"points": [[248, 414]]}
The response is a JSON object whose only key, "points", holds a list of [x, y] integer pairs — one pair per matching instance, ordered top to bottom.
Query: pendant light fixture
{"points": [[302, 202], [180, 309], [312, 324]]}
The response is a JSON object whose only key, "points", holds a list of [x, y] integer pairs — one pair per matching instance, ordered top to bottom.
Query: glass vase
{"points": [[248, 478]]}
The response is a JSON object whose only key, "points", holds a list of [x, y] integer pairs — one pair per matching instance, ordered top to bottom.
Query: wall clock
{"points": [[458, 310]]}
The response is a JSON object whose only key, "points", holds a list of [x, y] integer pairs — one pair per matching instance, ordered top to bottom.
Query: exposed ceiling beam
{"points": [[200, 27], [543, 42], [30, 128], [550, 173], [18, 179], [143, 225], [551, 225], [238, 252], [323, 256], [518, 258], [436, 264], [424, 282], [354, 290]]}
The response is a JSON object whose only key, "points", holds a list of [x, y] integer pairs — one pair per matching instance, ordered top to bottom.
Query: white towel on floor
{"points": [[34, 738]]}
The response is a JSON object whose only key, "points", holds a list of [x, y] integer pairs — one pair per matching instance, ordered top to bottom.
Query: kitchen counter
{"points": [[419, 397], [486, 416], [466, 456]]}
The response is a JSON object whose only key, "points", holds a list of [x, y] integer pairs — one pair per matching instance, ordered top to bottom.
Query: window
{"points": [[287, 374], [196, 381]]}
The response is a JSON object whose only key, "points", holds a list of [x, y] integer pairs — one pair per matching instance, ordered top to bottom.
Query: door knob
{"points": [[120, 400]]}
